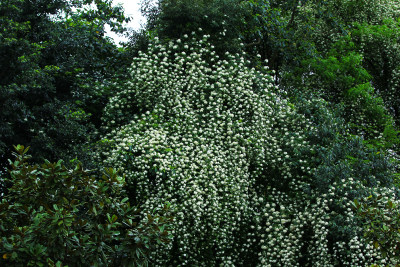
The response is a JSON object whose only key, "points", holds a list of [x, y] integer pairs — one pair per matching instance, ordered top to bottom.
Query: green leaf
{"points": [[390, 204], [357, 205]]}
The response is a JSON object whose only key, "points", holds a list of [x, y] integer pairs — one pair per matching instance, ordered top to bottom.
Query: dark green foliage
{"points": [[223, 20], [279, 33], [379, 45], [51, 61], [336, 63], [339, 69], [345, 168], [52, 214], [381, 218]]}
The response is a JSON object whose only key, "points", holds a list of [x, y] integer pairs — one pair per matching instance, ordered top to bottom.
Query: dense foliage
{"points": [[52, 54], [271, 128], [250, 175], [59, 216], [381, 219]]}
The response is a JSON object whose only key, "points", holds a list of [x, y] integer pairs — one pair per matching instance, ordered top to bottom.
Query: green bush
{"points": [[59, 216], [381, 218]]}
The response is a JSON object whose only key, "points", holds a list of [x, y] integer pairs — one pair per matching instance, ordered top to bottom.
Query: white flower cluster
{"points": [[372, 11], [214, 138], [295, 232]]}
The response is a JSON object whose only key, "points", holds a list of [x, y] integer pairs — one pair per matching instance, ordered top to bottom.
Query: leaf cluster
{"points": [[62, 216], [381, 219]]}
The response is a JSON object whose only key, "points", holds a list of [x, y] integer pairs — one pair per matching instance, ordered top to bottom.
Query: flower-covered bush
{"points": [[236, 159], [54, 216]]}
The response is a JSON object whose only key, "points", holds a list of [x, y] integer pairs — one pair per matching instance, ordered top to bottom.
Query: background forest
{"points": [[224, 133]]}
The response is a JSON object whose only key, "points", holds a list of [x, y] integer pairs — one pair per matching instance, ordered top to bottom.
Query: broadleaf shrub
{"points": [[62, 216], [381, 218]]}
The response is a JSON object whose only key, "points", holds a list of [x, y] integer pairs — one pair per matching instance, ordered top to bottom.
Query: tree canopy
{"points": [[225, 132]]}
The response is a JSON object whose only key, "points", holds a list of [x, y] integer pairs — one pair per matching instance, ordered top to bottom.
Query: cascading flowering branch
{"points": [[214, 138]]}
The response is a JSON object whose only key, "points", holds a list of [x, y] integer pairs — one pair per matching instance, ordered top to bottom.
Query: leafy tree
{"points": [[379, 46], [53, 53], [337, 66], [340, 78], [62, 217]]}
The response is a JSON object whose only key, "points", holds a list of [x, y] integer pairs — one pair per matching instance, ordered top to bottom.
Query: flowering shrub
{"points": [[239, 162]]}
